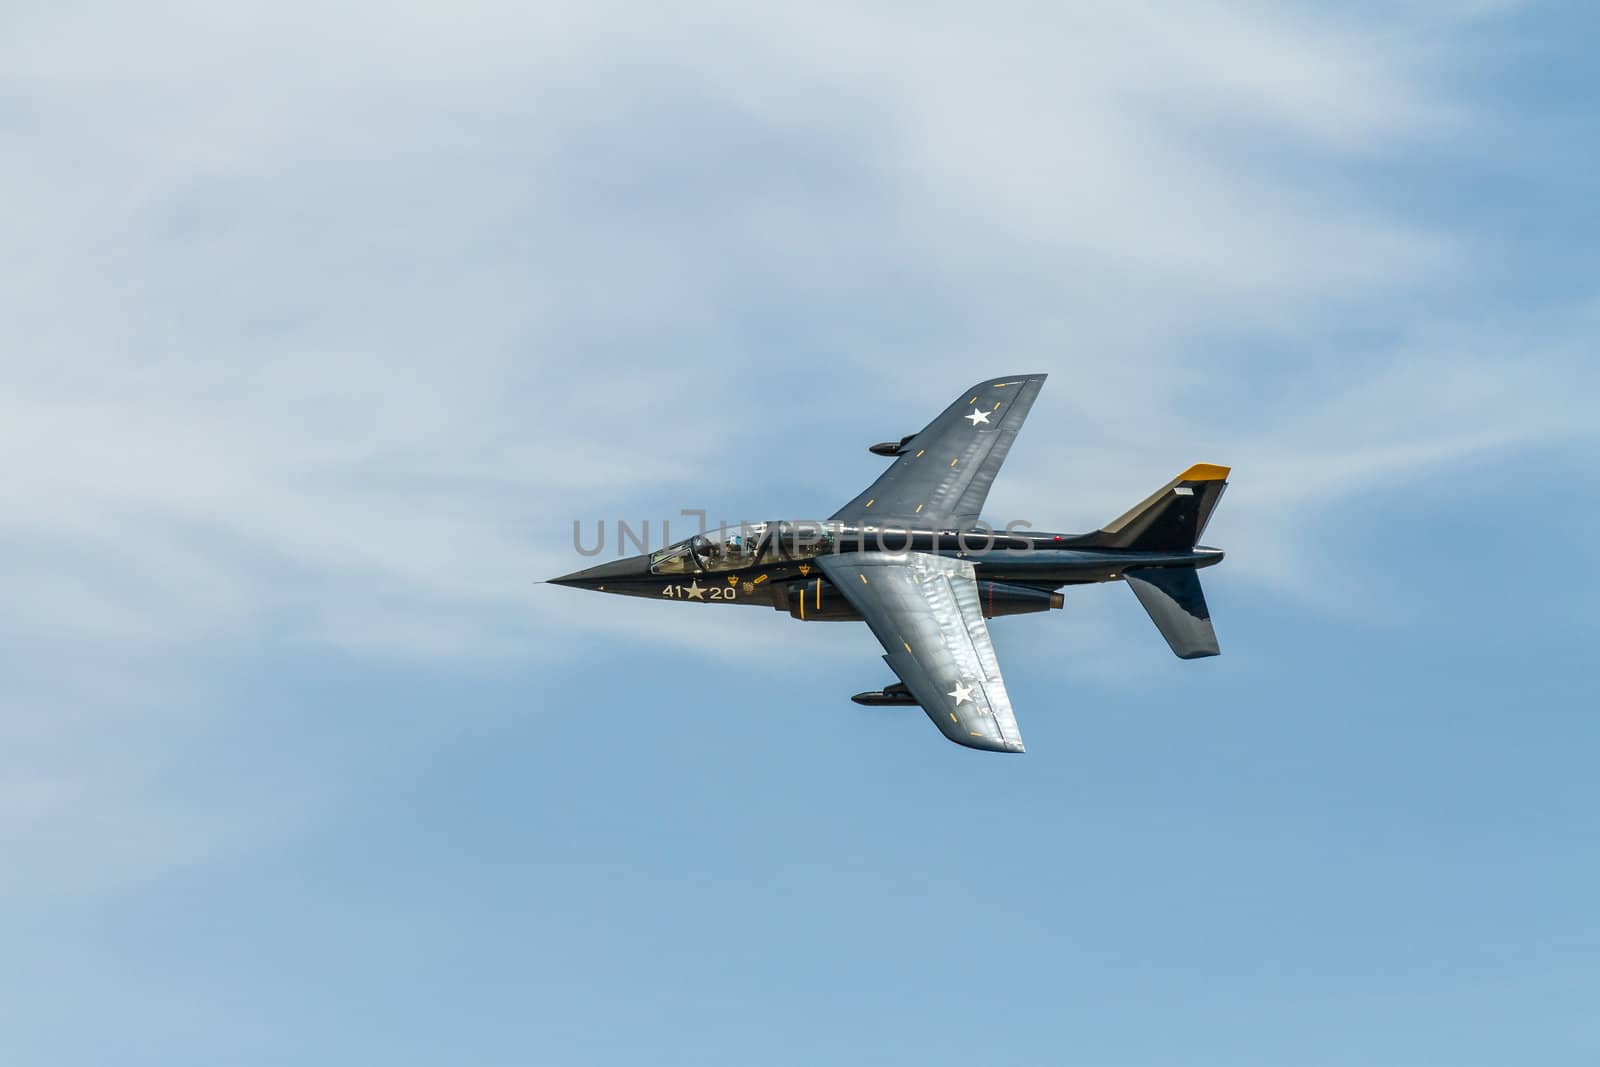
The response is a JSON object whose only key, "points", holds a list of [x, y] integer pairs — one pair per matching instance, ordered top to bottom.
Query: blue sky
{"points": [[321, 326]]}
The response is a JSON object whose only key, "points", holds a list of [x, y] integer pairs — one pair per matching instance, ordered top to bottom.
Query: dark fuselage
{"points": [[1038, 560]]}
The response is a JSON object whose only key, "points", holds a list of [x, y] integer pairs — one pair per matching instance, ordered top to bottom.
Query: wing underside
{"points": [[943, 473], [924, 610]]}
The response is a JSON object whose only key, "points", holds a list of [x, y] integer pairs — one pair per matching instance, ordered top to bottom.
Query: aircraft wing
{"points": [[943, 474], [925, 612]]}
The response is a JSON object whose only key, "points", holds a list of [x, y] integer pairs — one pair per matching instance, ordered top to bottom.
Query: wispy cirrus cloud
{"points": [[360, 299]]}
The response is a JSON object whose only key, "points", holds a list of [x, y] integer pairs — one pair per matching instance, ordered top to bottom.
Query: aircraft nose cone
{"points": [[615, 571]]}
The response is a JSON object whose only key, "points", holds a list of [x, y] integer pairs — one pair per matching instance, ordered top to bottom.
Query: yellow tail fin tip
{"points": [[1204, 472]]}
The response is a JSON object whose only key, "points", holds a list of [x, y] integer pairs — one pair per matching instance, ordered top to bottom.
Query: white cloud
{"points": [[357, 294], [324, 295]]}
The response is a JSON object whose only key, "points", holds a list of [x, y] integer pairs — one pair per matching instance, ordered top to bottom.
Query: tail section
{"points": [[1171, 519], [1177, 605]]}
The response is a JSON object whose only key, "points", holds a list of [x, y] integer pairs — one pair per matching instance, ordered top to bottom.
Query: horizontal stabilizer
{"points": [[1177, 605]]}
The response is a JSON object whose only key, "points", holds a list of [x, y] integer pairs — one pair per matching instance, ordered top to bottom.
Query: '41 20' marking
{"points": [[700, 592]]}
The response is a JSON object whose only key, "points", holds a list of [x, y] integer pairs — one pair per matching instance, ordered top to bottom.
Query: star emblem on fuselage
{"points": [[977, 417], [696, 591], [962, 693]]}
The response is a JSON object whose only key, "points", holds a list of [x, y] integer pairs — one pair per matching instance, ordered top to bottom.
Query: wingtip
{"points": [[1010, 380], [985, 742]]}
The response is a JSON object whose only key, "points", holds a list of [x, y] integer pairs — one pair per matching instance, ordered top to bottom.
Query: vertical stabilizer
{"points": [[1172, 518]]}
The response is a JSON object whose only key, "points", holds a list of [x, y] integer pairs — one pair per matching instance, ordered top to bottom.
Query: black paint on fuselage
{"points": [[1046, 560]]}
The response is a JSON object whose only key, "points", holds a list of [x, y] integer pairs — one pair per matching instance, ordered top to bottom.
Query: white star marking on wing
{"points": [[977, 417], [696, 591], [962, 693]]}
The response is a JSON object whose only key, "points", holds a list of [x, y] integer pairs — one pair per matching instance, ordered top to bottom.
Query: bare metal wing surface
{"points": [[942, 475], [924, 610]]}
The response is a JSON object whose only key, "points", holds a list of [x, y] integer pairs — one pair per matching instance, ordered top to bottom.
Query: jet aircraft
{"points": [[909, 557]]}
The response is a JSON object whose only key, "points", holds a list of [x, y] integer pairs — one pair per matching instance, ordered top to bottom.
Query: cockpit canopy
{"points": [[731, 548]]}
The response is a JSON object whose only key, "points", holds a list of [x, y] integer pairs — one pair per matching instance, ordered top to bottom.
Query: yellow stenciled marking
{"points": [[1001, 385], [974, 399], [996, 406], [920, 451], [953, 462], [1204, 472], [868, 504], [920, 507], [863, 578], [733, 579], [759, 579], [818, 604], [802, 605], [908, 647], [953, 717], [974, 733]]}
